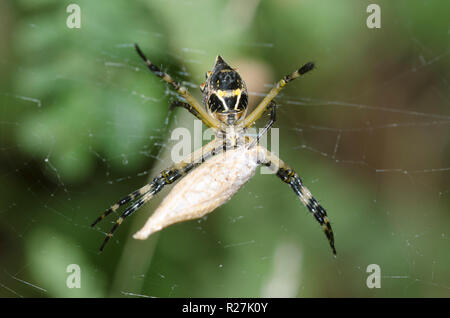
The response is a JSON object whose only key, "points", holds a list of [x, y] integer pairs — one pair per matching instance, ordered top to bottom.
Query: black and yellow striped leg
{"points": [[183, 91], [265, 103], [186, 106], [289, 176], [166, 177], [132, 196]]}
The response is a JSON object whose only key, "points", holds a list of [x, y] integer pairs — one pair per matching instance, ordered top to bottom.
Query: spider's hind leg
{"points": [[265, 103], [187, 106], [207, 119], [146, 193], [130, 197]]}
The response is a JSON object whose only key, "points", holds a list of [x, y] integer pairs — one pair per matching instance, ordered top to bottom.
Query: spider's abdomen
{"points": [[204, 189]]}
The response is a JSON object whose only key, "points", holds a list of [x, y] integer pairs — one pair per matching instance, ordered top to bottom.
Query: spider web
{"points": [[84, 123]]}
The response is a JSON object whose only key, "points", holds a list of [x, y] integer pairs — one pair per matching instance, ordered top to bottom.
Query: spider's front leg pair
{"points": [[267, 101], [289, 176], [166, 177]]}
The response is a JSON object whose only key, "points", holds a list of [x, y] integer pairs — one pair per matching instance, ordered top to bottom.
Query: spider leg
{"points": [[265, 103], [187, 106], [202, 114], [273, 118], [289, 176], [166, 177], [134, 195], [128, 212]]}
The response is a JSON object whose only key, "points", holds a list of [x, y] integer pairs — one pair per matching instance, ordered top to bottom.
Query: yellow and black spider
{"points": [[220, 168]]}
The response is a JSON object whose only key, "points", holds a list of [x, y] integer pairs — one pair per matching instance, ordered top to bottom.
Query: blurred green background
{"points": [[83, 122]]}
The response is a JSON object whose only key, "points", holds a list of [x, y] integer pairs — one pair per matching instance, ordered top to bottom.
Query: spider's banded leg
{"points": [[265, 103], [187, 106], [204, 116], [167, 176], [289, 176], [151, 187], [132, 196], [127, 212]]}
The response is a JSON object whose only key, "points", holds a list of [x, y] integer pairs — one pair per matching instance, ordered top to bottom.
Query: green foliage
{"points": [[82, 119]]}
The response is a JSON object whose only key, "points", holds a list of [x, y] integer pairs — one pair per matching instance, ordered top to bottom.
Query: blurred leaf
{"points": [[50, 253]]}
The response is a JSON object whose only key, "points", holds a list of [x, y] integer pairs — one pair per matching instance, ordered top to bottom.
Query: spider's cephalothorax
{"points": [[225, 93], [211, 175]]}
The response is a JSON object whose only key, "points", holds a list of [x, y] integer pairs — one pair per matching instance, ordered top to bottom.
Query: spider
{"points": [[219, 169]]}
